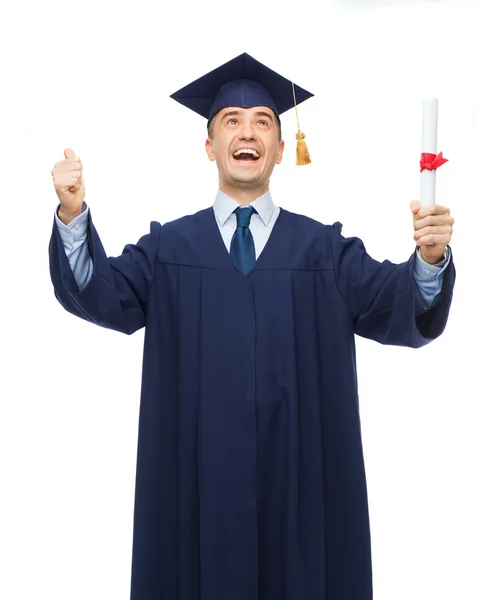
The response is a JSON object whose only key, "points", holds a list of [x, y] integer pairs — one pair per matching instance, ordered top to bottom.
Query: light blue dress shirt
{"points": [[429, 278]]}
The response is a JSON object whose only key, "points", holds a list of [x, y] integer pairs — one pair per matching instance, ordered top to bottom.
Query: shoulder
{"points": [[187, 223], [309, 226], [181, 227], [186, 227], [324, 238], [184, 240]]}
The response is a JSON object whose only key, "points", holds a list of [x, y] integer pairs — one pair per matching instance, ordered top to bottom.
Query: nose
{"points": [[246, 131]]}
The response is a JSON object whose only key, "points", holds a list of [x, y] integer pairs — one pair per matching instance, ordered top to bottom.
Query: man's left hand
{"points": [[432, 225]]}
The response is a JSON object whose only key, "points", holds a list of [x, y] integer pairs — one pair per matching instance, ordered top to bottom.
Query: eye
{"points": [[232, 122], [262, 122]]}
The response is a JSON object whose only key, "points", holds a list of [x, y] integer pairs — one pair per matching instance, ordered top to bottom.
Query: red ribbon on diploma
{"points": [[431, 161]]}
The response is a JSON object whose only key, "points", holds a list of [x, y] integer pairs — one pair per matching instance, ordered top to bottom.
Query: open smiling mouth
{"points": [[247, 154]]}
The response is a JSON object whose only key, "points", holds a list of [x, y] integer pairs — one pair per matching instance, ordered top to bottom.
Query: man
{"points": [[250, 474]]}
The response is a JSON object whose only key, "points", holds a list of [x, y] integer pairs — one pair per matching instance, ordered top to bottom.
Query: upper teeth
{"points": [[247, 151]]}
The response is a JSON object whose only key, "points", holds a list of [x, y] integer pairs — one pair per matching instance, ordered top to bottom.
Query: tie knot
{"points": [[243, 214]]}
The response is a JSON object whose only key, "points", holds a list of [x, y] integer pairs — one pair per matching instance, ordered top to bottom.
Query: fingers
{"points": [[71, 158], [72, 164], [63, 170], [67, 174], [68, 180], [415, 207], [431, 209], [433, 220], [432, 225], [435, 233], [434, 239]]}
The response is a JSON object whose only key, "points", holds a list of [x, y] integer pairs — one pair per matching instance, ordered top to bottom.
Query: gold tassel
{"points": [[303, 156]]}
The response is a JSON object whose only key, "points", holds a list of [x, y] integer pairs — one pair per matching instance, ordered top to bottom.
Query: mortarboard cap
{"points": [[244, 82]]}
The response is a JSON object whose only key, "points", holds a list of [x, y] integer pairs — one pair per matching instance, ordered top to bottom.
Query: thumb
{"points": [[69, 154], [415, 207]]}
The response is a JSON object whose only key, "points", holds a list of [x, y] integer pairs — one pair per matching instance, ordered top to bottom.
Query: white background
{"points": [[96, 76]]}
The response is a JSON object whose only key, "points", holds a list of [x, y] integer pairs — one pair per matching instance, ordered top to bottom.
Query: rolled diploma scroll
{"points": [[429, 144]]}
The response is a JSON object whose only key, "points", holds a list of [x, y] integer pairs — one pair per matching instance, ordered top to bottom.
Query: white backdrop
{"points": [[96, 76]]}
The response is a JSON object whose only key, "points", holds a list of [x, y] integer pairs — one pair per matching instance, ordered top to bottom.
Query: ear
{"points": [[209, 148], [281, 148]]}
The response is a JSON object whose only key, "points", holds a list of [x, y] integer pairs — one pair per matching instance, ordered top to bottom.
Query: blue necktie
{"points": [[242, 247]]}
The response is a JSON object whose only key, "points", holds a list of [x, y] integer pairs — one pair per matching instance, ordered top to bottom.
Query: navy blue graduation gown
{"points": [[250, 480]]}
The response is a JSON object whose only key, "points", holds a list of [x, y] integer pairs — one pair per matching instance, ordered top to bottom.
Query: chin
{"points": [[245, 176], [247, 180]]}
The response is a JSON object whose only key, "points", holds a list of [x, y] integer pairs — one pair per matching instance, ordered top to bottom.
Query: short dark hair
{"points": [[210, 124]]}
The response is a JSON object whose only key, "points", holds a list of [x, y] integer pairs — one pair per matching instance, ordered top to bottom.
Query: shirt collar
{"points": [[224, 206]]}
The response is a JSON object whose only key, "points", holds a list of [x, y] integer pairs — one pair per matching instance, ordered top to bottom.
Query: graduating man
{"points": [[250, 477]]}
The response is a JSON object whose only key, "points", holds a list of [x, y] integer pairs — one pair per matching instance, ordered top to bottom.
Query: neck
{"points": [[242, 195]]}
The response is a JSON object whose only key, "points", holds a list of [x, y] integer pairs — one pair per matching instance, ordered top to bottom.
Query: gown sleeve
{"points": [[116, 296], [381, 296]]}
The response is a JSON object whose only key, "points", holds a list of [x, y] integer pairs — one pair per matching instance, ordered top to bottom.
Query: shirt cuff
{"points": [[74, 233], [426, 271]]}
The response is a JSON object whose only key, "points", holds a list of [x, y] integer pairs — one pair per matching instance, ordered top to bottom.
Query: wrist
{"points": [[66, 216], [435, 261]]}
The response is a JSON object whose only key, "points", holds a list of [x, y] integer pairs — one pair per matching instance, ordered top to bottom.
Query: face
{"points": [[254, 130]]}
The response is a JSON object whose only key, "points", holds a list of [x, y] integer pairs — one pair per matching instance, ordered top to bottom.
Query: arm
{"points": [[73, 236], [429, 281], [112, 292], [116, 294], [382, 297]]}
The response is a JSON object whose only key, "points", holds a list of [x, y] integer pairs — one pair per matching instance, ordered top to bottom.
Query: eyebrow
{"points": [[231, 113], [259, 113]]}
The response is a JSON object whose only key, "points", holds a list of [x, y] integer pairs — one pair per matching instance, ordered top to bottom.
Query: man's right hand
{"points": [[69, 185]]}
